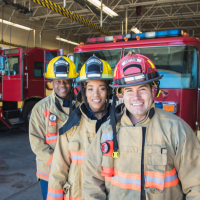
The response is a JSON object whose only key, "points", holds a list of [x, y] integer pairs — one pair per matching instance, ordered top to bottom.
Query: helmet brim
{"points": [[58, 78], [93, 79], [136, 83]]}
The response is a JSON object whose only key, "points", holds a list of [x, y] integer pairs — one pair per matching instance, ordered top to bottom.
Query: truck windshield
{"points": [[50, 55], [111, 56], [177, 64], [11, 65]]}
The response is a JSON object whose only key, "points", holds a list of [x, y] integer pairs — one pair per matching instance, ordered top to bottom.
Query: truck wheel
{"points": [[26, 113]]}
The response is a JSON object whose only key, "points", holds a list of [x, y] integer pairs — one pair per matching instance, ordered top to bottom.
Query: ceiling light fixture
{"points": [[107, 10], [16, 25], [135, 30], [64, 40]]}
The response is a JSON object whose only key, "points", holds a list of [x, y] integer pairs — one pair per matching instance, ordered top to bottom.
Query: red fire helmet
{"points": [[134, 69]]}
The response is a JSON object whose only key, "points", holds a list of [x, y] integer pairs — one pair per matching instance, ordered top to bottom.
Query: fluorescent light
{"points": [[107, 10], [16, 25], [135, 30], [64, 40]]}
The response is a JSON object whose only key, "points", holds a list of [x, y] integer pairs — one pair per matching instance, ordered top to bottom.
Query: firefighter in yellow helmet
{"points": [[49, 114], [77, 133], [142, 152]]}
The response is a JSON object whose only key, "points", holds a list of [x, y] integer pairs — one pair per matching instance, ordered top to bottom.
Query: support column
{"points": [[64, 3], [101, 15], [126, 20], [2, 24], [122, 27], [34, 37], [41, 39]]}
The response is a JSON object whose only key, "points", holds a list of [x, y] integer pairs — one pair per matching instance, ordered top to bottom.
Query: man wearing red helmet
{"points": [[143, 152]]}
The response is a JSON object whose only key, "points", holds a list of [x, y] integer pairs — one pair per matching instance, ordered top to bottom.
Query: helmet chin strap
{"points": [[71, 99], [87, 105], [113, 124]]}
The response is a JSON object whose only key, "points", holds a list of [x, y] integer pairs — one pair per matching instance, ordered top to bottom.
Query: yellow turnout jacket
{"points": [[46, 119], [171, 160], [65, 181]]}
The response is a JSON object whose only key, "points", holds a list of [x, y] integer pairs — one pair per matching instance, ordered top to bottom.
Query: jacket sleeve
{"points": [[37, 137], [187, 160], [59, 170], [93, 182]]}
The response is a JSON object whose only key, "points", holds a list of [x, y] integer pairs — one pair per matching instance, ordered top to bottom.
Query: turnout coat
{"points": [[47, 116], [76, 135], [171, 160]]}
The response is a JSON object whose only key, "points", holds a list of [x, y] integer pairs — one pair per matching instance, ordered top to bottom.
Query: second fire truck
{"points": [[22, 83]]}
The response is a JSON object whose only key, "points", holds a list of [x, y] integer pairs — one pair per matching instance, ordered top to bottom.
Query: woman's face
{"points": [[96, 93]]}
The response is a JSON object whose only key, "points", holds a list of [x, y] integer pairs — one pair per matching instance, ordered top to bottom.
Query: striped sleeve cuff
{"points": [[49, 162], [55, 194]]}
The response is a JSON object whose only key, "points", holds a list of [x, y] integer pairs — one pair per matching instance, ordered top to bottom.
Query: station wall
{"points": [[22, 37]]}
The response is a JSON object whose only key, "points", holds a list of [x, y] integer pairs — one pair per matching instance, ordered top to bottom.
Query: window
{"points": [[51, 54], [111, 56], [1, 63], [177, 64], [11, 65], [38, 69]]}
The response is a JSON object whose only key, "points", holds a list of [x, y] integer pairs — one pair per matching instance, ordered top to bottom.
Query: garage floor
{"points": [[17, 166]]}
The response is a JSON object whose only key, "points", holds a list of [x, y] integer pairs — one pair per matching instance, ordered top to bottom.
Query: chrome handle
{"points": [[26, 80]]}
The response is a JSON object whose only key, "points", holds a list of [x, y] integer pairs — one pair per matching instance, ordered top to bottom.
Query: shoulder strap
{"points": [[71, 122]]}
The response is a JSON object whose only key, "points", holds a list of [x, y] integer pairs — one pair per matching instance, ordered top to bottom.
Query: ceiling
{"points": [[146, 15]]}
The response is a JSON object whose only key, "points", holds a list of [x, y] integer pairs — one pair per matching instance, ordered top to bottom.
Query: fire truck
{"points": [[175, 56], [22, 83]]}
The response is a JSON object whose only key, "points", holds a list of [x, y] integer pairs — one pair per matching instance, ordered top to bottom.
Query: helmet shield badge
{"points": [[61, 68], [93, 68], [134, 69]]}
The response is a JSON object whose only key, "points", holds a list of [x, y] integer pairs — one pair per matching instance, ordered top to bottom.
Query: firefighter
{"points": [[49, 114], [77, 133], [142, 152]]}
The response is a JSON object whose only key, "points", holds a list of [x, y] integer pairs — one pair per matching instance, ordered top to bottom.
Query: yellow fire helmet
{"points": [[61, 67], [95, 69]]}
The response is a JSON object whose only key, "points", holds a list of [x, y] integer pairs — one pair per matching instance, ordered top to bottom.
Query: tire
{"points": [[26, 113]]}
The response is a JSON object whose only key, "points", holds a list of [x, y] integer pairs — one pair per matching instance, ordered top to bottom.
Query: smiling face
{"points": [[62, 88], [96, 93], [138, 100]]}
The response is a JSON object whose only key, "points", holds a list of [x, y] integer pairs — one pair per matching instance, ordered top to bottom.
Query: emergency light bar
{"points": [[154, 34]]}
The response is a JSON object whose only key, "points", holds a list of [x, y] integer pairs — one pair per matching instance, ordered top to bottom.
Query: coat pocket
{"points": [[51, 135], [87, 140], [74, 146], [156, 166]]}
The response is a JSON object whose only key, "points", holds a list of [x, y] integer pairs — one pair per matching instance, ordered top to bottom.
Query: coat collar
{"points": [[54, 109], [125, 120]]}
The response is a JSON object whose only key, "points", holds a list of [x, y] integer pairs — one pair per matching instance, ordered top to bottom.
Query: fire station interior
{"points": [[35, 31]]}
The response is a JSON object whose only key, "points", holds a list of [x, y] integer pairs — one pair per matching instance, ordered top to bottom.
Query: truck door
{"points": [[48, 56], [33, 73], [12, 75]]}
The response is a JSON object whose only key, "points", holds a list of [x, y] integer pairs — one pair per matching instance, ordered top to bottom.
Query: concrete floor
{"points": [[17, 166]]}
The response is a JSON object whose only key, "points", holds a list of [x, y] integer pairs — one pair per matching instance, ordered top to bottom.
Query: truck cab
{"points": [[22, 82]]}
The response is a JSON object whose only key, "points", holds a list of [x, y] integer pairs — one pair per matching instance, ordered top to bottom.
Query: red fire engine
{"points": [[175, 56], [22, 83]]}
